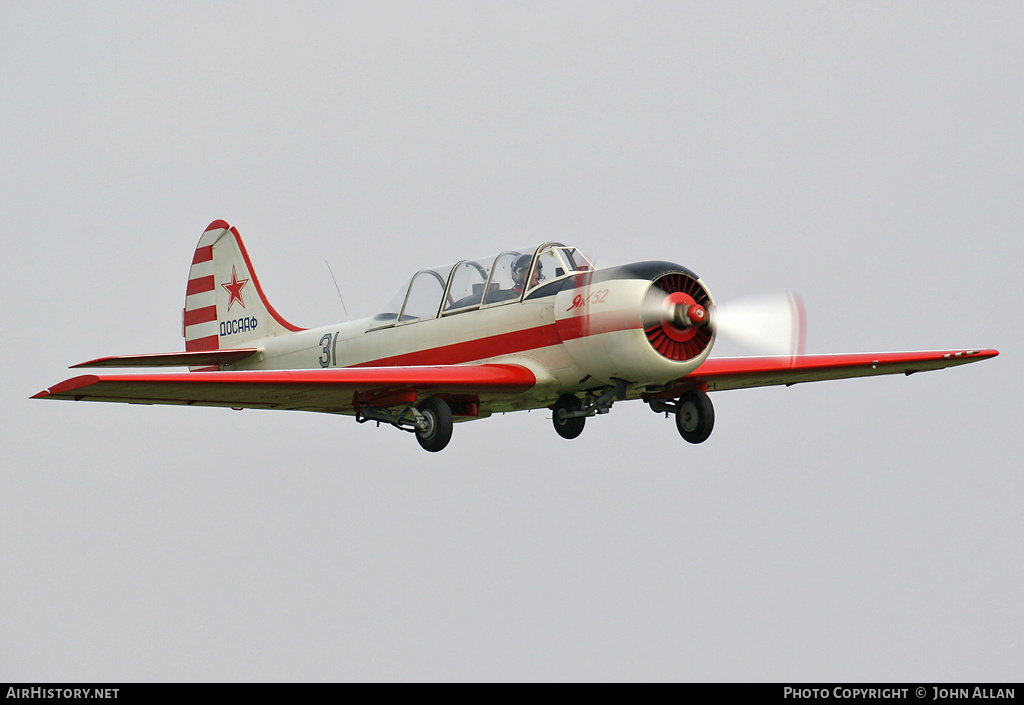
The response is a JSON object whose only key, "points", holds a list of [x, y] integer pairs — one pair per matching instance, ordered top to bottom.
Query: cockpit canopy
{"points": [[483, 282]]}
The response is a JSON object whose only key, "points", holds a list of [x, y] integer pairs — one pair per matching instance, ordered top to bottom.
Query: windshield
{"points": [[554, 261]]}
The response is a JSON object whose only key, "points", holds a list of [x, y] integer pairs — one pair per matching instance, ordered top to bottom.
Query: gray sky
{"points": [[868, 155]]}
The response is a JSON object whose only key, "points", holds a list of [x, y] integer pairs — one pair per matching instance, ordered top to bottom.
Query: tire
{"points": [[695, 417], [439, 424], [572, 426]]}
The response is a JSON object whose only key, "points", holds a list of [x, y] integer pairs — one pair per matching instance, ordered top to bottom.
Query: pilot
{"points": [[519, 272]]}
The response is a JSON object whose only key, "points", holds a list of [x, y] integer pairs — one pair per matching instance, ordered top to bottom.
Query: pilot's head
{"points": [[520, 268]]}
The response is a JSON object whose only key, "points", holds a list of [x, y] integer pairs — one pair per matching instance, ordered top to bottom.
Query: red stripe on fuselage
{"points": [[597, 323], [516, 341], [479, 349]]}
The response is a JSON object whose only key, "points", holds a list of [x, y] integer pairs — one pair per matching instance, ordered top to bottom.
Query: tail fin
{"points": [[225, 307]]}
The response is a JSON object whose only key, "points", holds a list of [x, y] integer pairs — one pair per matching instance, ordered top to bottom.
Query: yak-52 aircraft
{"points": [[529, 328]]}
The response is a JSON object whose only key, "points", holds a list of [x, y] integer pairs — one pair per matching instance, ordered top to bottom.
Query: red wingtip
{"points": [[980, 354], [67, 385]]}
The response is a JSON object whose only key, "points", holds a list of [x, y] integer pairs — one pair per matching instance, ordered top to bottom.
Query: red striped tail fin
{"points": [[225, 306]]}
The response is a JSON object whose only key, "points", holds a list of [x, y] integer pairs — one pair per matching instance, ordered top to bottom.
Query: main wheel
{"points": [[695, 416], [568, 426], [437, 429]]}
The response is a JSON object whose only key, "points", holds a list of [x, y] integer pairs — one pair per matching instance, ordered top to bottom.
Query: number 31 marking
{"points": [[330, 348]]}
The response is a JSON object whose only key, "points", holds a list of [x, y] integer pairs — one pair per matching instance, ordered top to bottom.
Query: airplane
{"points": [[531, 328]]}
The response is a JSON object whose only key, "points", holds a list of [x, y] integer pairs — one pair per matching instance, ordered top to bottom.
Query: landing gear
{"points": [[571, 412], [695, 416], [431, 421], [567, 423], [433, 424]]}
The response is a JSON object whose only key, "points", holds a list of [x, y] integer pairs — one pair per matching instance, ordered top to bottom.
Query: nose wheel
{"points": [[567, 416], [695, 416]]}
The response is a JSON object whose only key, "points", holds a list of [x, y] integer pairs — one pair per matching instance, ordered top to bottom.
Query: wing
{"points": [[745, 372], [334, 390]]}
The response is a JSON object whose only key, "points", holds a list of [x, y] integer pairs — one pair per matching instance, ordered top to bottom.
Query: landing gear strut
{"points": [[571, 412], [431, 421]]}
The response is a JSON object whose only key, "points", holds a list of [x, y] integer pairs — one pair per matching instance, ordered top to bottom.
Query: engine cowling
{"points": [[646, 323]]}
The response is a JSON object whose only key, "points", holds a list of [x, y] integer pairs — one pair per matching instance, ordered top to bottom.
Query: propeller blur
{"points": [[769, 324]]}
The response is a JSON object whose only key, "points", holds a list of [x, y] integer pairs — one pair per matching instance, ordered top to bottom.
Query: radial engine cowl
{"points": [[676, 319]]}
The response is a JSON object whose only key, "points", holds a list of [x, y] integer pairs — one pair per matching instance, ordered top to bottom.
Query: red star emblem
{"points": [[235, 288]]}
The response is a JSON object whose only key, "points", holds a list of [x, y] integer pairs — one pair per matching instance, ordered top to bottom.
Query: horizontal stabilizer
{"points": [[174, 359]]}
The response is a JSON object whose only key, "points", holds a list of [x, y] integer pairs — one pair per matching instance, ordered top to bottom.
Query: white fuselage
{"points": [[584, 337]]}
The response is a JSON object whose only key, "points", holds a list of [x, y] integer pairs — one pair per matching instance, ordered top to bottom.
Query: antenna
{"points": [[338, 290]]}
